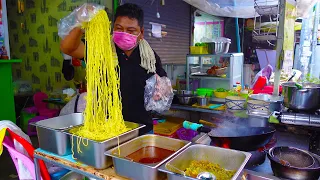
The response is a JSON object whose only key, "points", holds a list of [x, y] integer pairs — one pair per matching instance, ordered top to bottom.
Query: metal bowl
{"points": [[218, 47], [185, 92], [186, 99], [299, 157]]}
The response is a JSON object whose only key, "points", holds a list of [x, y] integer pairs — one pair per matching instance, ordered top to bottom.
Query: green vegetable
{"points": [[200, 44], [312, 79], [221, 90]]}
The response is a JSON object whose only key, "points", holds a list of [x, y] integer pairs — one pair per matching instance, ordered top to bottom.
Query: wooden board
{"points": [[108, 173]]}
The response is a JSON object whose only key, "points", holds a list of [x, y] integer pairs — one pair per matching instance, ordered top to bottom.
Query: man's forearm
{"points": [[72, 41]]}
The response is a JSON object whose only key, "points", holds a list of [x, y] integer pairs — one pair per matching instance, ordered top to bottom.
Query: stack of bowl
{"points": [[186, 97]]}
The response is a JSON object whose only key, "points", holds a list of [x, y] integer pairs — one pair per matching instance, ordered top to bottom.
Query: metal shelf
{"points": [[267, 10], [217, 55], [234, 72], [209, 77], [194, 109]]}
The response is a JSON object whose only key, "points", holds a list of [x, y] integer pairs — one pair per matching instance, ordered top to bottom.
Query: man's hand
{"points": [[87, 11], [76, 19]]}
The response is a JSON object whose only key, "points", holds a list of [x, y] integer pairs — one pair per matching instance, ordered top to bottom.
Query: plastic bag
{"points": [[226, 8], [80, 15], [266, 72], [158, 94], [23, 171]]}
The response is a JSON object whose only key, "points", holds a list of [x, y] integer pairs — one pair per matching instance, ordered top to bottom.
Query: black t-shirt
{"points": [[132, 82]]}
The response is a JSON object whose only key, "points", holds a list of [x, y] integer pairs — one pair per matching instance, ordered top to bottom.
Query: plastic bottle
{"points": [[238, 87]]}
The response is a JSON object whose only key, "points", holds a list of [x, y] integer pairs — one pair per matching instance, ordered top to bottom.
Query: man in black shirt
{"points": [[128, 32]]}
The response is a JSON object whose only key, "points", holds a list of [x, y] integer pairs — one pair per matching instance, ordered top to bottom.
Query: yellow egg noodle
{"points": [[103, 113]]}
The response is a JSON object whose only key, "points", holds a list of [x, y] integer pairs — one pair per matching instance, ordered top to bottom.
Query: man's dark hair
{"points": [[132, 11]]}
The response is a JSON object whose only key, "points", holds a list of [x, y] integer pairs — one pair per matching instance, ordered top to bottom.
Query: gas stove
{"points": [[300, 118], [306, 119]]}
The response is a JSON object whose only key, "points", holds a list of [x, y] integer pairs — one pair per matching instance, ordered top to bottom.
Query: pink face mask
{"points": [[125, 41]]}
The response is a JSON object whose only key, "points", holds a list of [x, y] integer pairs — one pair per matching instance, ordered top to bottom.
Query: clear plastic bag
{"points": [[80, 15], [158, 94]]}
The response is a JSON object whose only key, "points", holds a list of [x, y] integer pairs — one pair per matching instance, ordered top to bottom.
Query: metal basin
{"points": [[218, 47], [305, 99], [50, 133], [93, 153], [226, 158], [130, 168]]}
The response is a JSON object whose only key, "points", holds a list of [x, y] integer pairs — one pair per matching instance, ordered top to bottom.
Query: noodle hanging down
{"points": [[103, 113]]}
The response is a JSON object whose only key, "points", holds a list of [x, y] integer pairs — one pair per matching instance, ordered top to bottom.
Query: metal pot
{"points": [[305, 99], [203, 100]]}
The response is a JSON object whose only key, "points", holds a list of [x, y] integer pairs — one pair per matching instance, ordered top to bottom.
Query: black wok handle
{"points": [[196, 127]]}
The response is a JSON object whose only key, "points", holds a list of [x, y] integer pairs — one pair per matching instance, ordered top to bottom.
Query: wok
{"points": [[242, 139]]}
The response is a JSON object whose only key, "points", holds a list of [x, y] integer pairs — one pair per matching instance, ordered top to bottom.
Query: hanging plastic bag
{"points": [[77, 17], [265, 73], [158, 94]]}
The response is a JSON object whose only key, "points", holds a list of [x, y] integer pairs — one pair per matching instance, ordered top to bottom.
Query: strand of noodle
{"points": [[103, 113], [78, 145], [72, 148]]}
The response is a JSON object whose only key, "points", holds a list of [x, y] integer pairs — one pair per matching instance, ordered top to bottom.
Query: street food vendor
{"points": [[128, 33]]}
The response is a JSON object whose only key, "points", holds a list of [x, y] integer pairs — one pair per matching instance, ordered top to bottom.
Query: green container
{"points": [[204, 92], [24, 119]]}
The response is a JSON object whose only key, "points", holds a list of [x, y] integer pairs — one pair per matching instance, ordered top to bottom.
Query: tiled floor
{"points": [[7, 168]]}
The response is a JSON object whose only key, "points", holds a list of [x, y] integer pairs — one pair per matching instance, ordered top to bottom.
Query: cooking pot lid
{"points": [[304, 85]]}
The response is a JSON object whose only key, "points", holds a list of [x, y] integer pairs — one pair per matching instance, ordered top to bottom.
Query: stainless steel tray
{"points": [[50, 133], [93, 153], [226, 158], [127, 168]]}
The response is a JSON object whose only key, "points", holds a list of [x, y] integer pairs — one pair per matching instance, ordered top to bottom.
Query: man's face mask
{"points": [[125, 41]]}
